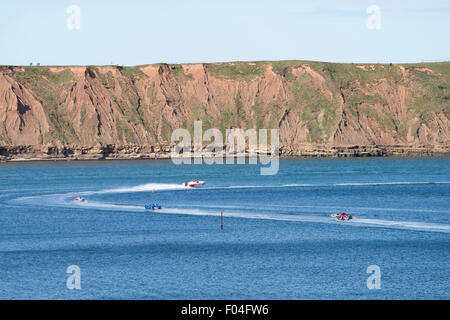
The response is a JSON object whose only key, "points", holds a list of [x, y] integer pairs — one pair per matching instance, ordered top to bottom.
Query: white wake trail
{"points": [[66, 199]]}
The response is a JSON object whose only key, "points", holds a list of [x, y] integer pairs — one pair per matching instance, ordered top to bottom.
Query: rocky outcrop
{"points": [[321, 109]]}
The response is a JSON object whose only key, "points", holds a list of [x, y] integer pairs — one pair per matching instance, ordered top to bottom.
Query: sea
{"points": [[242, 235]]}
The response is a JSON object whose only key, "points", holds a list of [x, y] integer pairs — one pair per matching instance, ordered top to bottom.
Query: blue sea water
{"points": [[278, 242]]}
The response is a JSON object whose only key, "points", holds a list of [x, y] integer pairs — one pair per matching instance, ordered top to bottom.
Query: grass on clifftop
{"points": [[283, 67], [237, 70], [132, 72], [38, 73], [178, 73], [344, 74], [433, 92]]}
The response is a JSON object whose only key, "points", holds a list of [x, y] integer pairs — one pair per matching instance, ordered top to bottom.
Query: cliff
{"points": [[321, 109]]}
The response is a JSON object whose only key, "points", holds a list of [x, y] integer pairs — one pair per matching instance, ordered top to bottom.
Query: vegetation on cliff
{"points": [[312, 103]]}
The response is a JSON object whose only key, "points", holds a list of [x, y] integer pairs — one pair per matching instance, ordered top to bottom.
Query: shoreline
{"points": [[164, 152], [168, 158]]}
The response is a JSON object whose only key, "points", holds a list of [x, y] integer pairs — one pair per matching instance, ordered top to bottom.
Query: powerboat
{"points": [[194, 183], [80, 199], [153, 206], [342, 216]]}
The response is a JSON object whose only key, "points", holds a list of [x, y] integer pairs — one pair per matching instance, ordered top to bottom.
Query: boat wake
{"points": [[345, 184], [143, 188], [67, 200]]}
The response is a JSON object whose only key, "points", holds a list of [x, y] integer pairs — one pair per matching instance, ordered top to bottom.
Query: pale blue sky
{"points": [[136, 32]]}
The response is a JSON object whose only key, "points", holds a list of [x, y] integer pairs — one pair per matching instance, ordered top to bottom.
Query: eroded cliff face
{"points": [[321, 109]]}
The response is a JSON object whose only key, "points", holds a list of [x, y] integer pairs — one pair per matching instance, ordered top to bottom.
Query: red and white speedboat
{"points": [[194, 183], [81, 199], [342, 216]]}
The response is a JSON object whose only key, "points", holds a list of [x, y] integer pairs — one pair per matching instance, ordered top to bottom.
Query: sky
{"points": [[134, 32]]}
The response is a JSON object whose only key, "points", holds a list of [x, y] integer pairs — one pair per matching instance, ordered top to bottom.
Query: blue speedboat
{"points": [[153, 206]]}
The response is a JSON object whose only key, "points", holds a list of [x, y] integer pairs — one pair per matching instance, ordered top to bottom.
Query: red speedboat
{"points": [[194, 183], [342, 216]]}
